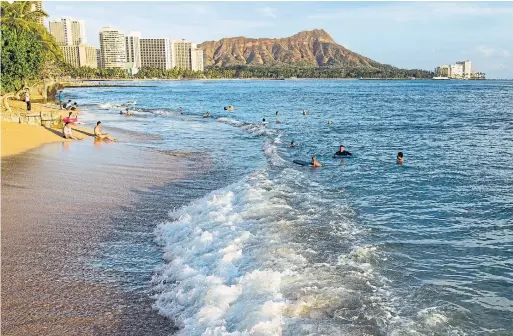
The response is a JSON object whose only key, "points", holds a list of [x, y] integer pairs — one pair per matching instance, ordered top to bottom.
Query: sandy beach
{"points": [[18, 138], [62, 204]]}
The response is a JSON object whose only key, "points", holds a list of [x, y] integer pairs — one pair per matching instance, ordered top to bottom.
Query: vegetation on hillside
{"points": [[29, 51]]}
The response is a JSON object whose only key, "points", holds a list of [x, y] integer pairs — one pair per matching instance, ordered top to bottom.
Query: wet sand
{"points": [[66, 208]]}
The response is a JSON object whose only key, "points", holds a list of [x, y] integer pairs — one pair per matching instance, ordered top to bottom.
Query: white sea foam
{"points": [[234, 264]]}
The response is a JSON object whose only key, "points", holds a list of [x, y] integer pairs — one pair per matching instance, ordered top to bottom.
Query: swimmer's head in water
{"points": [[263, 119], [342, 148], [400, 155]]}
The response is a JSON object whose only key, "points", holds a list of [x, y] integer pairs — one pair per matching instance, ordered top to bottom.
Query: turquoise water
{"points": [[359, 247]]}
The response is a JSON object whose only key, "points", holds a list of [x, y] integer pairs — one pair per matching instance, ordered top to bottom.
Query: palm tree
{"points": [[21, 16]]}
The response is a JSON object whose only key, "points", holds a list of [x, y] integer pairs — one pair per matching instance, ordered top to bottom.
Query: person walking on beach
{"points": [[27, 99], [60, 100], [67, 133], [99, 134]]}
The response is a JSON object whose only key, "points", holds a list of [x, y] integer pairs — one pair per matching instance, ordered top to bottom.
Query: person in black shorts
{"points": [[342, 152]]}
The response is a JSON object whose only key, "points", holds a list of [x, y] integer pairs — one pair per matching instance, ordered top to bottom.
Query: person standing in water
{"points": [[181, 111], [304, 112], [293, 144], [342, 152], [400, 159], [316, 163]]}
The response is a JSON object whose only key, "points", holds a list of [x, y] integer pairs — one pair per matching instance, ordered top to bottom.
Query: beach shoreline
{"points": [[17, 138], [52, 284]]}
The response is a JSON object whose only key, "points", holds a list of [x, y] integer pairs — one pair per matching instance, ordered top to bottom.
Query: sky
{"points": [[413, 35]]}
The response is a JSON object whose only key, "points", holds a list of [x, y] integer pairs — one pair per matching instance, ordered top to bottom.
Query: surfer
{"points": [[342, 152], [400, 159], [316, 163]]}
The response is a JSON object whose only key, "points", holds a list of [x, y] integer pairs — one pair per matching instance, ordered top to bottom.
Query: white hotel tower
{"points": [[112, 48]]}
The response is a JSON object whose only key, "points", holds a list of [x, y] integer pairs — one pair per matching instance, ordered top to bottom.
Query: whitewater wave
{"points": [[107, 106], [245, 260]]}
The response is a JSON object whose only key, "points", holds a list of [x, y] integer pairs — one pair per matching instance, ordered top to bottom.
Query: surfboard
{"points": [[302, 163]]}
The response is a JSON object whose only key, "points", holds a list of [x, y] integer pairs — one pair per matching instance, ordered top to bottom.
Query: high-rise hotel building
{"points": [[38, 5], [68, 31], [71, 37], [113, 48], [133, 52], [156, 53], [186, 55]]}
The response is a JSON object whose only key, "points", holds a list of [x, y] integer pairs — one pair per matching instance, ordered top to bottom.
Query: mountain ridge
{"points": [[314, 48]]}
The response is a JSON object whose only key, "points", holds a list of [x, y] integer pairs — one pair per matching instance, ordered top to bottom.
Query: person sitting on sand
{"points": [[67, 105], [74, 107], [67, 133], [99, 134], [293, 144], [342, 152], [400, 158], [316, 163]]}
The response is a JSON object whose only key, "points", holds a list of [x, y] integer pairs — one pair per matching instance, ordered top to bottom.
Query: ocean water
{"points": [[361, 246]]}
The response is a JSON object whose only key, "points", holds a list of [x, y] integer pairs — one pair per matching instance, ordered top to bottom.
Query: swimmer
{"points": [[181, 111], [121, 112], [304, 112], [276, 113], [207, 115], [278, 121], [330, 122], [293, 144], [342, 152], [400, 159], [316, 163]]}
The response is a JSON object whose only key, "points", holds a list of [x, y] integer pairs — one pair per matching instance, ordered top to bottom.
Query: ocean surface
{"points": [[361, 246]]}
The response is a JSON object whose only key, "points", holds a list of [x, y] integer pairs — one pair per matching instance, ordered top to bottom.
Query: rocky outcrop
{"points": [[313, 48]]}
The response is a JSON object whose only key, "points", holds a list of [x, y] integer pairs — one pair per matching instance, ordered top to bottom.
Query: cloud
{"points": [[267, 11], [418, 12], [487, 51]]}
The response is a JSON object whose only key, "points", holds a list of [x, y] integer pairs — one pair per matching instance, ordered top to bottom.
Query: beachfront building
{"points": [[38, 5], [68, 31], [112, 48], [133, 52], [156, 53], [80, 55], [186, 55], [99, 58], [466, 68], [458, 70], [443, 71]]}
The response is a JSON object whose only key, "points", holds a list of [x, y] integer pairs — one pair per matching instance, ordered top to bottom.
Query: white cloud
{"points": [[267, 11], [418, 12], [487, 51]]}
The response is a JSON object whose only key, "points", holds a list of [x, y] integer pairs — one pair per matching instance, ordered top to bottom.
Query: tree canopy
{"points": [[29, 51]]}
